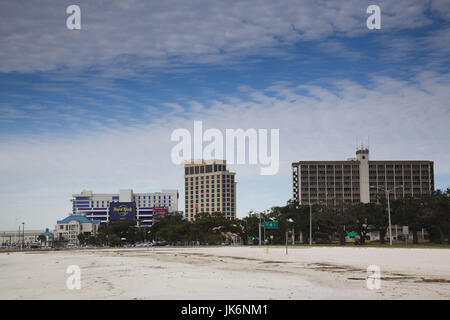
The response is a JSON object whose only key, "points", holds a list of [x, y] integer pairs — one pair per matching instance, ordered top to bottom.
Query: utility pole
{"points": [[388, 191], [389, 215], [288, 223], [310, 223], [259, 228], [287, 232], [23, 234], [264, 234]]}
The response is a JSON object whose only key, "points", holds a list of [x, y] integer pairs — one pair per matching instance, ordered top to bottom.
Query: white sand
{"points": [[227, 273]]}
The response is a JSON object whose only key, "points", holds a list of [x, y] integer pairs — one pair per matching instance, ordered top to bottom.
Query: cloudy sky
{"points": [[94, 108]]}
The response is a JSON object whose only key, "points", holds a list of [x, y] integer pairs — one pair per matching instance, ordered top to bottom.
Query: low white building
{"points": [[69, 228], [49, 236], [10, 238]]}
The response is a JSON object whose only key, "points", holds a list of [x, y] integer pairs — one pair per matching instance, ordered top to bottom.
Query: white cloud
{"points": [[441, 8], [120, 37], [405, 120]]}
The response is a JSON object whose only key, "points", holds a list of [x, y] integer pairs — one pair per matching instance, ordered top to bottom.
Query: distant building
{"points": [[360, 179], [209, 187], [127, 205], [68, 229], [48, 237], [16, 238]]}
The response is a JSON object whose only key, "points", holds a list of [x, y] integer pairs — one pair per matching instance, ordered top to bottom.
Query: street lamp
{"points": [[388, 191], [289, 221], [310, 221], [259, 228], [264, 230]]}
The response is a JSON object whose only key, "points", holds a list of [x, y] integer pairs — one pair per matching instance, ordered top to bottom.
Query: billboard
{"points": [[160, 210], [122, 211]]}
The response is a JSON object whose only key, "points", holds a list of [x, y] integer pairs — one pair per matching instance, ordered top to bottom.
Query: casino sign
{"points": [[122, 211]]}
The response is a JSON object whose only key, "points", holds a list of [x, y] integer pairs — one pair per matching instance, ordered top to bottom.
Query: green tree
{"points": [[412, 212], [358, 214], [438, 217], [378, 219], [342, 221], [250, 224], [170, 227], [209, 227], [82, 238], [41, 239]]}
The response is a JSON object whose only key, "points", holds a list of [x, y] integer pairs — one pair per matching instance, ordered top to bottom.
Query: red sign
{"points": [[160, 210]]}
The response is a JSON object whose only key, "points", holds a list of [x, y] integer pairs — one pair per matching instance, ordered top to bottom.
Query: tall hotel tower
{"points": [[359, 179], [209, 187]]}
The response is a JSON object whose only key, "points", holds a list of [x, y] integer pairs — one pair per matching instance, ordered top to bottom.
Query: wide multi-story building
{"points": [[360, 179], [209, 187], [126, 204]]}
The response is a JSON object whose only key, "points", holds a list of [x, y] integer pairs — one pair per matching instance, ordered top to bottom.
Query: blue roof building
{"points": [[80, 219], [47, 234]]}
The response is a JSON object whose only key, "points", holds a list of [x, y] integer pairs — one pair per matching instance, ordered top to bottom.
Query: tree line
{"points": [[329, 223], [332, 223], [171, 228]]}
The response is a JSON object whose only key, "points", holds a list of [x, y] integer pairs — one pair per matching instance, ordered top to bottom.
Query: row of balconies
{"points": [[329, 166], [399, 166], [311, 173], [399, 178], [330, 184], [328, 196]]}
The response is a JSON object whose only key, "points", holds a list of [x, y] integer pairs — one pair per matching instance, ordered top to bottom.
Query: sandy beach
{"points": [[227, 273]]}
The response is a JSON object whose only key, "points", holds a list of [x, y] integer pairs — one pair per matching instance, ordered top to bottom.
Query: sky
{"points": [[95, 108]]}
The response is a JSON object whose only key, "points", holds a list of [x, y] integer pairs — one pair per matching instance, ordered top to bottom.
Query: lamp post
{"points": [[388, 191], [289, 221], [310, 221], [259, 228], [264, 233], [23, 234], [18, 239]]}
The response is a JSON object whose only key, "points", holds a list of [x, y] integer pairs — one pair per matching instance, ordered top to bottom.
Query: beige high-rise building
{"points": [[360, 180], [209, 187]]}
